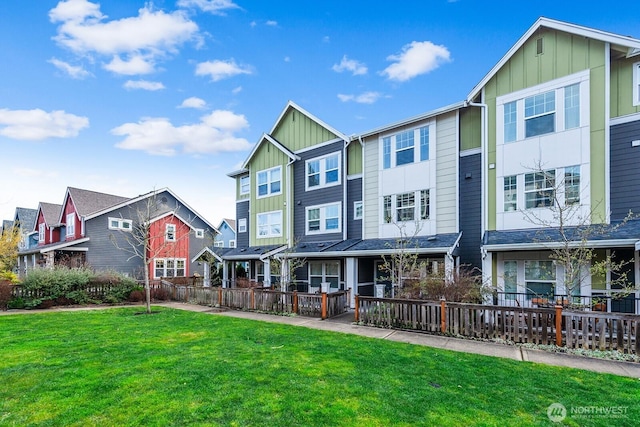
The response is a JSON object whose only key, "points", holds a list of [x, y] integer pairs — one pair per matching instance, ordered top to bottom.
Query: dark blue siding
{"points": [[625, 170], [470, 181], [354, 194], [242, 211]]}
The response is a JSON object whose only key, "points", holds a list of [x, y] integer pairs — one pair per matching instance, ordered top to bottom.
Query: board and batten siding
{"points": [[296, 131], [624, 171], [370, 192], [446, 200], [242, 212], [470, 216]]}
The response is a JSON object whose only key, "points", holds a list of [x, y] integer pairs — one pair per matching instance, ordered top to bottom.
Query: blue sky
{"points": [[127, 96]]}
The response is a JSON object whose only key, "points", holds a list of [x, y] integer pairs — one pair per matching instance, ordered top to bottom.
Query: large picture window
{"points": [[400, 149], [323, 171], [269, 182], [324, 219], [269, 224], [327, 272], [539, 278]]}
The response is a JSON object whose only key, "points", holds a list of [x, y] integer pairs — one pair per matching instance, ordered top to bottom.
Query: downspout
{"points": [[607, 133], [288, 203], [345, 211]]}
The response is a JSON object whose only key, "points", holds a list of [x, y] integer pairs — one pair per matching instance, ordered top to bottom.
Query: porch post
{"points": [[449, 265], [487, 266], [267, 273], [207, 274], [225, 274], [284, 274], [351, 280]]}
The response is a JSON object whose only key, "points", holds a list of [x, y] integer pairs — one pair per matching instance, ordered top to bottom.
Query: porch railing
{"points": [[605, 301]]}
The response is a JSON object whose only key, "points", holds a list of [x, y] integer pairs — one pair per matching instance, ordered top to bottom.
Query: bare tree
{"points": [[403, 263], [287, 265]]}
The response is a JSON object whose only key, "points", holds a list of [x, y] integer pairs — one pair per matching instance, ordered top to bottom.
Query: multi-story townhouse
{"points": [[560, 137]]}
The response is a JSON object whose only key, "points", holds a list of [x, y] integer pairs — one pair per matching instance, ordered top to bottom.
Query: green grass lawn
{"points": [[113, 367]]}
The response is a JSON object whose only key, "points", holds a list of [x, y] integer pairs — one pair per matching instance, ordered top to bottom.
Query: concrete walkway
{"points": [[345, 325]]}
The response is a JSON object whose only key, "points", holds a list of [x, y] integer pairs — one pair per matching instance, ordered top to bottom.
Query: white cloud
{"points": [[216, 7], [271, 23], [253, 24], [152, 34], [326, 39], [416, 58], [135, 65], [354, 67], [219, 70], [76, 72], [143, 84], [236, 90], [364, 98], [193, 102], [38, 124], [214, 134]]}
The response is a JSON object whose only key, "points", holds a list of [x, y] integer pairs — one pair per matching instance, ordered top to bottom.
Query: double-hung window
{"points": [[636, 83], [540, 114], [510, 121], [424, 143], [404, 148], [400, 149], [323, 171], [269, 182], [245, 185], [572, 185], [539, 189], [510, 193], [405, 207], [358, 210], [324, 219], [71, 224], [269, 224], [242, 225], [41, 232], [170, 233], [169, 267], [324, 272], [539, 278]]}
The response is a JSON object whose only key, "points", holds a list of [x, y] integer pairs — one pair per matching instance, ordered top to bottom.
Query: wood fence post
{"points": [[186, 294], [220, 296], [253, 299], [295, 302], [324, 305], [357, 314], [443, 315], [558, 325]]}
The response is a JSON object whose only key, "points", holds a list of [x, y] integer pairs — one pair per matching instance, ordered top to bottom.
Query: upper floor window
{"points": [[636, 83], [572, 106], [540, 114], [510, 122], [400, 149], [323, 171], [269, 182], [245, 185], [572, 185], [539, 189], [510, 193], [405, 207], [358, 210], [323, 219], [71, 224], [120, 224], [269, 224], [242, 225], [41, 230], [199, 232], [170, 233], [232, 243], [218, 244]]}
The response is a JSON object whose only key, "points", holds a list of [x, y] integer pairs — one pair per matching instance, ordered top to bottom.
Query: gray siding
{"points": [[625, 173], [470, 181], [354, 194], [303, 199], [242, 211]]}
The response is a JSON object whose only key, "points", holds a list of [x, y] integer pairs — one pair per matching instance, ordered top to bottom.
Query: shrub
{"points": [[5, 293], [159, 294], [137, 296], [16, 304]]}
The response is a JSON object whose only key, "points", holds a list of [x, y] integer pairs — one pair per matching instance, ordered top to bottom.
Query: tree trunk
{"points": [[147, 288]]}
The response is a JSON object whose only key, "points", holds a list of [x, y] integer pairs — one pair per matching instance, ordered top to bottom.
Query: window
{"points": [[636, 83], [572, 106], [540, 114], [510, 121], [424, 143], [404, 149], [323, 171], [269, 182], [245, 185], [572, 185], [539, 189], [510, 193], [406, 208], [358, 210], [323, 219], [71, 224], [120, 224], [270, 224], [242, 225], [41, 231], [199, 232], [170, 233], [232, 243], [218, 244], [169, 267], [324, 272], [539, 278], [510, 279]]}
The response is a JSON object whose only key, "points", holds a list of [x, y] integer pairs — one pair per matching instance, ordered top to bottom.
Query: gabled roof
{"points": [[630, 44], [293, 105], [268, 139], [87, 202], [50, 212], [26, 218], [230, 222], [7, 224], [214, 252]]}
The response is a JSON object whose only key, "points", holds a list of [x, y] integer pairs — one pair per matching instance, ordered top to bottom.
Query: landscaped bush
{"points": [[43, 288], [5, 293], [159, 294]]}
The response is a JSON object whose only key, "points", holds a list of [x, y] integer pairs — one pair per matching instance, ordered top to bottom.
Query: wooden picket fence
{"points": [[323, 305], [589, 330]]}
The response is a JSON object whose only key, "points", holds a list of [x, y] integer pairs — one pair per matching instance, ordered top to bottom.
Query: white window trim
{"points": [[636, 84], [416, 145], [268, 172], [322, 172], [248, 184], [356, 205], [417, 208], [322, 219], [71, 224], [120, 225], [242, 225], [167, 229], [41, 232], [199, 233], [269, 234], [232, 243], [218, 244], [175, 268]]}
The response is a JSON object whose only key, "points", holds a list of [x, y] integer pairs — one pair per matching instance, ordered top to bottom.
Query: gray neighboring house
{"points": [[25, 219], [84, 230]]}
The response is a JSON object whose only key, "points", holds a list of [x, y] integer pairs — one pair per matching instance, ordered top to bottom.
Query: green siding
{"points": [[563, 54], [622, 88], [470, 128], [297, 131], [354, 158], [238, 195]]}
